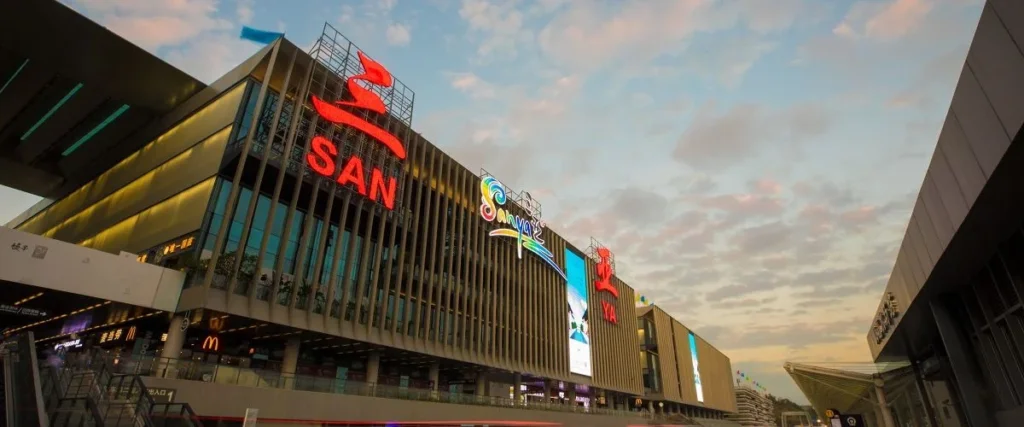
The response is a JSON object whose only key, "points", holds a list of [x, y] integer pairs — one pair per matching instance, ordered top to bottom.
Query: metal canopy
{"points": [[70, 92], [847, 387]]}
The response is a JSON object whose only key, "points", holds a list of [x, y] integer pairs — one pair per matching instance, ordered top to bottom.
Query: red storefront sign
{"points": [[374, 185], [604, 284]]}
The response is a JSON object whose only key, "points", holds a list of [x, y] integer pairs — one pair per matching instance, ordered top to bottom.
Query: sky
{"points": [[751, 163]]}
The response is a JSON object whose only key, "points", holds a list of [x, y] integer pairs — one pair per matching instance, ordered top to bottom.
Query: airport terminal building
{"points": [[285, 227]]}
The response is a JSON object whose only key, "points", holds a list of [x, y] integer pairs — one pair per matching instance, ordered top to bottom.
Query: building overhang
{"points": [[72, 93], [846, 390]]}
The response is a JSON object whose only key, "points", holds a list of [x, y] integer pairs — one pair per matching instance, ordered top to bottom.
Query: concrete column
{"points": [[175, 338], [172, 347], [291, 356], [372, 367], [434, 374], [481, 384], [517, 385], [547, 391], [570, 393], [883, 405], [650, 406]]}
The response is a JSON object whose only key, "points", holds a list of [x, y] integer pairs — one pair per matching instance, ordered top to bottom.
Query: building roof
{"points": [[71, 94], [847, 387]]}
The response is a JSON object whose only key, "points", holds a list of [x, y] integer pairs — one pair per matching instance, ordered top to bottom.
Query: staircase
{"points": [[84, 392]]}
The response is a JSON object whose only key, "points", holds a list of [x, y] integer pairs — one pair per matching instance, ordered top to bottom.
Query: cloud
{"points": [[243, 8], [883, 21], [153, 25], [499, 25], [398, 34], [472, 85], [719, 140]]}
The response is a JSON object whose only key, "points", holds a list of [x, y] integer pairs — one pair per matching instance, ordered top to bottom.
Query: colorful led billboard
{"points": [[525, 230], [579, 328], [696, 368]]}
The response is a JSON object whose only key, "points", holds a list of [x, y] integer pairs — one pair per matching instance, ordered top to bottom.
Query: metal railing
{"points": [[184, 369], [22, 384], [119, 397]]}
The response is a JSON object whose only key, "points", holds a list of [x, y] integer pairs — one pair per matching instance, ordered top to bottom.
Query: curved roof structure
{"points": [[75, 98], [848, 387]]}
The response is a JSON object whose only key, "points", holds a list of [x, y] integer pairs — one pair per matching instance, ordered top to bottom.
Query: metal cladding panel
{"points": [[985, 115], [179, 158]]}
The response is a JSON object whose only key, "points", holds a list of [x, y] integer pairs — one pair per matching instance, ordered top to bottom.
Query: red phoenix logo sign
{"points": [[323, 151], [604, 284]]}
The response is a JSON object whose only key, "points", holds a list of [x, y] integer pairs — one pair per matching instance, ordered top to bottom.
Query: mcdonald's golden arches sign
{"points": [[211, 343]]}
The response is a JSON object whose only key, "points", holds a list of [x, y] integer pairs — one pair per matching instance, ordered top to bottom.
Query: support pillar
{"points": [[175, 338], [172, 346], [291, 356], [372, 368], [434, 375], [481, 384], [969, 384], [517, 389], [547, 392], [570, 393], [883, 404], [650, 406]]}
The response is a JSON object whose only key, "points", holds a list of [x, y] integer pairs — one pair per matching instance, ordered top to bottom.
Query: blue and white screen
{"points": [[579, 326], [696, 368]]}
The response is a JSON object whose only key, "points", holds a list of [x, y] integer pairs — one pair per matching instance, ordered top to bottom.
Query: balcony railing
{"points": [[184, 369]]}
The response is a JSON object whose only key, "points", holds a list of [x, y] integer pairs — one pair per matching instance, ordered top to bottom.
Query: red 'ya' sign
{"points": [[324, 152], [604, 283]]}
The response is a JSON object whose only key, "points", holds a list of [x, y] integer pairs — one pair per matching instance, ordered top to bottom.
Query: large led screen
{"points": [[579, 326], [696, 368]]}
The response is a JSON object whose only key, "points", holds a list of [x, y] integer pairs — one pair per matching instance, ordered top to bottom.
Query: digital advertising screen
{"points": [[579, 326], [696, 368]]}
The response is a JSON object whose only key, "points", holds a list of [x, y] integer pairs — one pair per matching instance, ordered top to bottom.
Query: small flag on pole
{"points": [[260, 36]]}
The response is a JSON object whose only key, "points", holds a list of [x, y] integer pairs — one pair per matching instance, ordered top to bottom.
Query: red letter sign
{"points": [[322, 157], [604, 273], [608, 312]]}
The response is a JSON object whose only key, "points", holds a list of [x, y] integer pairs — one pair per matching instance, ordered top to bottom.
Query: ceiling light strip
{"points": [[13, 76], [53, 110], [106, 122]]}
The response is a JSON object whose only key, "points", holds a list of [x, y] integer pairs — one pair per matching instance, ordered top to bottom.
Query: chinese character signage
{"points": [[886, 318], [579, 326]]}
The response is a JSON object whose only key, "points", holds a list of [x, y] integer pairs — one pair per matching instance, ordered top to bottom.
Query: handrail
{"points": [[185, 369], [21, 375], [125, 385]]}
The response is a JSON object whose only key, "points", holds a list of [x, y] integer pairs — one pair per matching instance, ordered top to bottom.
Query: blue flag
{"points": [[260, 36]]}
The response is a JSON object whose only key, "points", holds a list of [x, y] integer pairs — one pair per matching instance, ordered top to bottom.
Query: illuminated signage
{"points": [[321, 158], [526, 231], [177, 246], [604, 284], [22, 311], [886, 318], [579, 324], [131, 334], [111, 336], [76, 343], [211, 343], [696, 368]]}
